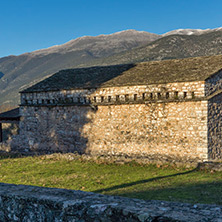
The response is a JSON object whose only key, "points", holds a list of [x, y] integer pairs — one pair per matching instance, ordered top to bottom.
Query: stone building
{"points": [[168, 109]]}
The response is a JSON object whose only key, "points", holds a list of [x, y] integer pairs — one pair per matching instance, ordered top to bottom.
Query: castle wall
{"points": [[167, 121], [215, 127], [52, 129], [176, 130]]}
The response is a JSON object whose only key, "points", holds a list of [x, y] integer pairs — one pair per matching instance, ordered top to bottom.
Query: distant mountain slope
{"points": [[121, 47], [170, 47], [21, 71]]}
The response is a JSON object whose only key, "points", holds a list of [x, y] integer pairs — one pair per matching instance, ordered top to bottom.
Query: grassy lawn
{"points": [[130, 180]]}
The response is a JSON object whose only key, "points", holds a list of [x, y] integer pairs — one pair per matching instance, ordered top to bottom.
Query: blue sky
{"points": [[27, 25]]}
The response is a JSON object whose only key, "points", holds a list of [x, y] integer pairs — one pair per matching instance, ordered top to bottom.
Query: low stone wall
{"points": [[29, 203]]}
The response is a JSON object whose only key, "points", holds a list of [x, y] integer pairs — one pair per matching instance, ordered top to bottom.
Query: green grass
{"points": [[130, 180]]}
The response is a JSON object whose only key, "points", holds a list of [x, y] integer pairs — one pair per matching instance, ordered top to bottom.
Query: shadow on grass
{"points": [[8, 155], [126, 185], [205, 193]]}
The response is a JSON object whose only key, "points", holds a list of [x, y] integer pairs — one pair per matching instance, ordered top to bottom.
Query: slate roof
{"points": [[145, 73], [10, 115]]}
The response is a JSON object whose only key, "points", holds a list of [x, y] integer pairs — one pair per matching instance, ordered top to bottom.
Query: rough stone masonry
{"points": [[164, 109], [35, 204]]}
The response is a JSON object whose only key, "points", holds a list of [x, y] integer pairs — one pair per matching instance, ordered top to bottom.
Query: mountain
{"points": [[103, 45], [170, 47], [26, 69], [19, 72]]}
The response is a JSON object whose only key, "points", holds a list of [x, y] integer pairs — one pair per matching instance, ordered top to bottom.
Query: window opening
{"points": [[176, 94], [127, 97]]}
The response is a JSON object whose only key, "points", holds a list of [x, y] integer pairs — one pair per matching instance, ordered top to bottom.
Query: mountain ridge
{"points": [[191, 31], [131, 32]]}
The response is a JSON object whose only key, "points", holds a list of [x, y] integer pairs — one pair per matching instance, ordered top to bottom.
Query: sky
{"points": [[28, 25]]}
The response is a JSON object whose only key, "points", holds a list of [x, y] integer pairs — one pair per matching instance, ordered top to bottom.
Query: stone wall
{"points": [[213, 84], [215, 127], [46, 129], [155, 129], [176, 130], [35, 204]]}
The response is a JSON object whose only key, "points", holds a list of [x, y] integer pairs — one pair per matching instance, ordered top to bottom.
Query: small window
{"points": [[151, 95], [159, 95], [167, 95], [176, 95], [184, 95], [193, 95], [144, 96], [127, 97], [135, 97], [84, 98], [117, 98], [78, 99], [94, 99], [102, 99], [109, 99], [43, 101], [48, 101]]}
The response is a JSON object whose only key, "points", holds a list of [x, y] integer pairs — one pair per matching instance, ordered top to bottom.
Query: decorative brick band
{"points": [[118, 95], [115, 99]]}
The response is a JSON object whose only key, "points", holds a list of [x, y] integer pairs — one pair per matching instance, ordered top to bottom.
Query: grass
{"points": [[129, 180]]}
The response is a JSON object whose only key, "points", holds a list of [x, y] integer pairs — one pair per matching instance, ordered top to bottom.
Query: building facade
{"points": [[166, 109]]}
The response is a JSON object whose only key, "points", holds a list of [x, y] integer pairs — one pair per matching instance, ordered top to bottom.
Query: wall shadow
{"points": [[9, 130], [126, 185]]}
